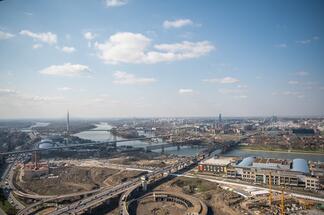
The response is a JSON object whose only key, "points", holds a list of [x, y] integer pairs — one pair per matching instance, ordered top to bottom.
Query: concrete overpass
{"points": [[83, 205]]}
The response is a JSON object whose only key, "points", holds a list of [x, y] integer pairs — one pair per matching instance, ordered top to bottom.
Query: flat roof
{"points": [[218, 161], [272, 161]]}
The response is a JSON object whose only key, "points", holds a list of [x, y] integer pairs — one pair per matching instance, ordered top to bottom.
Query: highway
{"points": [[74, 146], [6, 183], [246, 186], [107, 193], [97, 199], [85, 203]]}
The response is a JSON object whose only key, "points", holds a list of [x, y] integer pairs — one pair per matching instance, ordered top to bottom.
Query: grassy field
{"points": [[193, 185]]}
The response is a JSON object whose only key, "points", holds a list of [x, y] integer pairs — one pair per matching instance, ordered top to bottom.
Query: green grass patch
{"points": [[195, 185], [5, 205]]}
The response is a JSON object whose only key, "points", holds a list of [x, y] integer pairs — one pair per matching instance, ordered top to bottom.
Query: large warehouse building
{"points": [[258, 170]]}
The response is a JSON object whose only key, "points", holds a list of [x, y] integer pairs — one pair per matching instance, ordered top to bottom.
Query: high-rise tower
{"points": [[220, 118], [68, 123]]}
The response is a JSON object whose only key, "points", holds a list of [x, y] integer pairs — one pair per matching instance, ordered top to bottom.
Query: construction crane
{"points": [[270, 190], [282, 205]]}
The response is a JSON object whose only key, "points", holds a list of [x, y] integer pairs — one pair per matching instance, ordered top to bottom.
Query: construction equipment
{"points": [[270, 190], [282, 205]]}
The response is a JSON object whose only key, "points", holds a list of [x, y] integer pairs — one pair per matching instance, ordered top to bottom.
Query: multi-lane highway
{"points": [[6, 183], [97, 199]]}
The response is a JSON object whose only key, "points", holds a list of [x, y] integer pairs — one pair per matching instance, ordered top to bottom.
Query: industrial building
{"points": [[217, 165], [259, 171]]}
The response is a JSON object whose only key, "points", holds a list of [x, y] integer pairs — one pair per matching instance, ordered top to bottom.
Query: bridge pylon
{"points": [[114, 140], [144, 183]]}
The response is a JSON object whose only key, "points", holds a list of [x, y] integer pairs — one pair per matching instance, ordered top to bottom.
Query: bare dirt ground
{"points": [[137, 159], [144, 161], [121, 176], [75, 179], [217, 199], [161, 208]]}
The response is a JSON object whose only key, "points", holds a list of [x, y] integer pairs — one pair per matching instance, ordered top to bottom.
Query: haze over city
{"points": [[137, 58], [164, 107]]}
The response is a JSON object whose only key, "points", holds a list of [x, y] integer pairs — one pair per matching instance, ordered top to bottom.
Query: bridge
{"points": [[106, 143], [160, 146], [105, 194], [95, 198], [83, 205]]}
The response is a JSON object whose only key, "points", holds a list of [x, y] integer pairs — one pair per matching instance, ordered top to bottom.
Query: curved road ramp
{"points": [[170, 202]]}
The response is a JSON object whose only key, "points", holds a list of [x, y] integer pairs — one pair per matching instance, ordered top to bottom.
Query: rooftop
{"points": [[219, 161], [272, 161]]}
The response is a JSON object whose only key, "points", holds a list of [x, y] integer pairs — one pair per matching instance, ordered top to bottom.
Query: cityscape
{"points": [[138, 107]]}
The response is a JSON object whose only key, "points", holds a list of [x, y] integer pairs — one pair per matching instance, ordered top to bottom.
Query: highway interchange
{"points": [[96, 197]]}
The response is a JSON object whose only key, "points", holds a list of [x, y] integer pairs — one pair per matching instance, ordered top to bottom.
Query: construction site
{"points": [[68, 180], [129, 181]]}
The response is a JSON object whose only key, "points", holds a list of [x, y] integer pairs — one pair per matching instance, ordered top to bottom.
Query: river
{"points": [[106, 136], [190, 151]]}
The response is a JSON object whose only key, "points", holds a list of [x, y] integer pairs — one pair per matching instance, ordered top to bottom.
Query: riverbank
{"points": [[278, 150]]}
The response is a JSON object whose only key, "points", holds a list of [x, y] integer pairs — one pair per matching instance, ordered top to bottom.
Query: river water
{"points": [[106, 136], [191, 151]]}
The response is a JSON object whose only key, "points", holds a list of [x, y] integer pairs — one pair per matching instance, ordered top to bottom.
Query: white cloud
{"points": [[115, 3], [177, 23], [5, 35], [89, 35], [47, 37], [307, 41], [304, 42], [282, 45], [37, 46], [127, 47], [67, 49], [68, 69], [302, 73], [127, 78], [225, 80], [293, 82], [242, 86], [64, 88], [186, 91], [7, 92], [293, 93], [16, 96], [46, 98]]}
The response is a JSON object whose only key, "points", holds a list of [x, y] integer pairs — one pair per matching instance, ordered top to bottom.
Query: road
{"points": [[75, 146], [6, 184], [245, 186], [12, 199], [97, 199], [2, 212]]}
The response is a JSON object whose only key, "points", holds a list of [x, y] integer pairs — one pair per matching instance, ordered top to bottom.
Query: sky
{"points": [[170, 58]]}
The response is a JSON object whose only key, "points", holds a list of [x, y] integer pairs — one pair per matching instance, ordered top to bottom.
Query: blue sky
{"points": [[135, 58]]}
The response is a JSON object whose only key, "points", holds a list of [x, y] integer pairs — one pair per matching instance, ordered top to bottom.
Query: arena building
{"points": [[259, 171]]}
